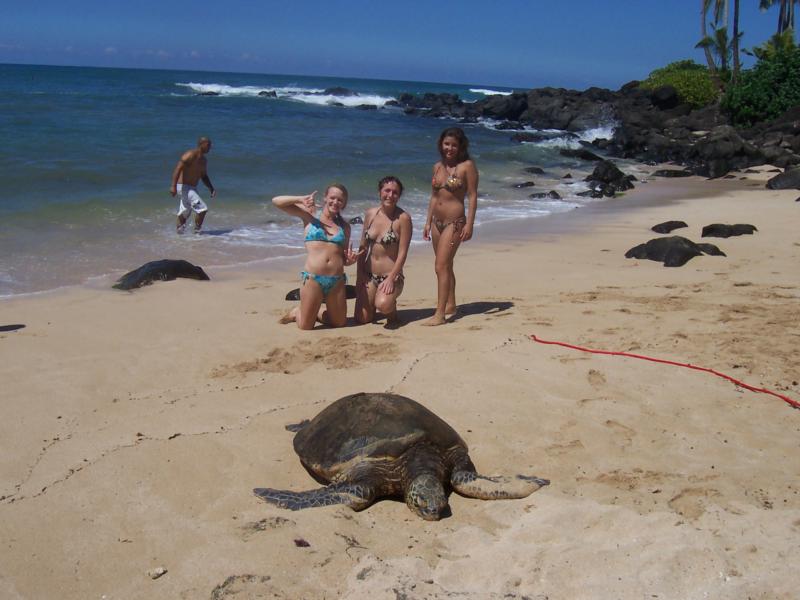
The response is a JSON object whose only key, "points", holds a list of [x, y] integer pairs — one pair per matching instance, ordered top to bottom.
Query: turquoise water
{"points": [[88, 153]]}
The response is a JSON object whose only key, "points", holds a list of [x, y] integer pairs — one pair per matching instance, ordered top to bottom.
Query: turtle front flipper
{"points": [[474, 485], [355, 495]]}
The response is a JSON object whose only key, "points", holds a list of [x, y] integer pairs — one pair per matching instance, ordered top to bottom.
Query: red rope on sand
{"points": [[786, 399]]}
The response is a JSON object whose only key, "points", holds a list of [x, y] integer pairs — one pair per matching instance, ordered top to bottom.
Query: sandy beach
{"points": [[136, 424]]}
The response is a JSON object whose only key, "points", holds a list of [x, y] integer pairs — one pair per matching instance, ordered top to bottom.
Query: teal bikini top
{"points": [[316, 233]]}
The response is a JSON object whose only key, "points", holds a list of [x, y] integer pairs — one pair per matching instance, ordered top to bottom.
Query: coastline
{"points": [[138, 423]]}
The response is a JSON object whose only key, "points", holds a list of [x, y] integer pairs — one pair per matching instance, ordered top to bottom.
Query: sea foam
{"points": [[315, 96]]}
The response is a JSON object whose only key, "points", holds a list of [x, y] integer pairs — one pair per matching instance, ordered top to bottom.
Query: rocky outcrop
{"points": [[339, 91], [650, 125], [789, 179], [607, 180], [668, 226], [722, 230], [674, 251]]}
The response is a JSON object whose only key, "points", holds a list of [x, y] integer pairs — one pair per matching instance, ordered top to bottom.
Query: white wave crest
{"points": [[243, 90], [487, 92], [298, 94], [350, 101], [604, 131], [560, 142]]}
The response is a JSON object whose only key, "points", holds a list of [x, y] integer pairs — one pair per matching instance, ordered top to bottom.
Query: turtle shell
{"points": [[369, 426]]}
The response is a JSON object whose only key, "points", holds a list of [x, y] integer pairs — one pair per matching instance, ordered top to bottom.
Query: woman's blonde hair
{"points": [[338, 186]]}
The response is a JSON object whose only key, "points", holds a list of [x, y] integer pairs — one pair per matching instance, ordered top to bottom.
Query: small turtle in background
{"points": [[159, 270], [368, 446]]}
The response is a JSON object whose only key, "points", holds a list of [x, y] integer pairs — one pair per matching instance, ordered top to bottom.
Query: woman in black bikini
{"points": [[455, 178], [384, 247]]}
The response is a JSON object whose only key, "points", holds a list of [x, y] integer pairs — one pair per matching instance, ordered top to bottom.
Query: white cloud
{"points": [[110, 50], [158, 53]]}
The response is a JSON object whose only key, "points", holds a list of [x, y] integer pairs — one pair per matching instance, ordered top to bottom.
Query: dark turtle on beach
{"points": [[159, 270], [367, 446]]}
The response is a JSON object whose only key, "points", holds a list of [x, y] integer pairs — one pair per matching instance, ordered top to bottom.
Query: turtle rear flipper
{"points": [[295, 427], [474, 485], [356, 496]]}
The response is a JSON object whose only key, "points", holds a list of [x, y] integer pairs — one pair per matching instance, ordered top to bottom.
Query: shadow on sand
{"points": [[464, 310]]}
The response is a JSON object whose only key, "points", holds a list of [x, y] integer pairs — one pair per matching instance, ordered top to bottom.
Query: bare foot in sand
{"points": [[289, 317], [435, 320]]}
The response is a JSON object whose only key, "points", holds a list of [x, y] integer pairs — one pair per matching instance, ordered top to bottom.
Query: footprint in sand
{"points": [[335, 353], [596, 378], [626, 434], [562, 449], [632, 480], [763, 499], [691, 502], [253, 527], [247, 586]]}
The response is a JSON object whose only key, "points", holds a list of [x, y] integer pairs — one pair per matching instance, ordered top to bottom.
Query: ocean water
{"points": [[88, 153]]}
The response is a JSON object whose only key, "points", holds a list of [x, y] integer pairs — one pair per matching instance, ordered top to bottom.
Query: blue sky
{"points": [[515, 43]]}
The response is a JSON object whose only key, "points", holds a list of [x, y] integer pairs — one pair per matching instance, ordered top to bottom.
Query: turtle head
{"points": [[425, 496]]}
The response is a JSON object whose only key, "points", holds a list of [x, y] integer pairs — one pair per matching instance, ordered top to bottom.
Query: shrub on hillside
{"points": [[690, 80], [767, 90]]}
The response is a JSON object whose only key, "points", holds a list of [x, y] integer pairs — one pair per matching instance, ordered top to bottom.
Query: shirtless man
{"points": [[190, 169]]}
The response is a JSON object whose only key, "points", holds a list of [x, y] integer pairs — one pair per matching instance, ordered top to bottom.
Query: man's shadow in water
{"points": [[215, 232], [464, 310]]}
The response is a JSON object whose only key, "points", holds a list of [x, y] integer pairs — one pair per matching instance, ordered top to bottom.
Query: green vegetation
{"points": [[691, 80], [768, 89]]}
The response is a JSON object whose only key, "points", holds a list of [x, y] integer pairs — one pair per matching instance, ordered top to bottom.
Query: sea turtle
{"points": [[367, 446]]}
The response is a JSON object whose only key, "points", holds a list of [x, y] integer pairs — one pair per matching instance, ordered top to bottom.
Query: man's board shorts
{"points": [[190, 200]]}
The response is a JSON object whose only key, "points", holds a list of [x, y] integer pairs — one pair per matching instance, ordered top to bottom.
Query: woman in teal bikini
{"points": [[455, 178], [385, 240], [327, 241]]}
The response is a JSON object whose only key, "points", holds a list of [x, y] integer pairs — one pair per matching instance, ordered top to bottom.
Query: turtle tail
{"points": [[473, 485], [355, 496]]}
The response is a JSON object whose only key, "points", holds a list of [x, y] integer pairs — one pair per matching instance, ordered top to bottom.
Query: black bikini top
{"points": [[388, 238]]}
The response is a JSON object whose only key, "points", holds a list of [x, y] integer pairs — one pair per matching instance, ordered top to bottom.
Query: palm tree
{"points": [[785, 14], [736, 36], [719, 42], [712, 67]]}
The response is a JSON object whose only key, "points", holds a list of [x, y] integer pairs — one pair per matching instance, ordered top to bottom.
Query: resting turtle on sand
{"points": [[367, 446]]}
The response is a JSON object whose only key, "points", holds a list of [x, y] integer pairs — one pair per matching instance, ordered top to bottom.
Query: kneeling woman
{"points": [[385, 239], [327, 242]]}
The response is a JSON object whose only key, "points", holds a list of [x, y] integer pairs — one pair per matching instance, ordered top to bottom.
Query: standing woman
{"points": [[455, 178], [386, 237], [327, 242]]}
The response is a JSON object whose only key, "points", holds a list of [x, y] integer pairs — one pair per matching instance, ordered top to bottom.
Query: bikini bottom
{"points": [[458, 225], [379, 279], [326, 282]]}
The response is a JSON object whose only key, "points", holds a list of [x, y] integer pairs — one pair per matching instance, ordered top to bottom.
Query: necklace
{"points": [[452, 179]]}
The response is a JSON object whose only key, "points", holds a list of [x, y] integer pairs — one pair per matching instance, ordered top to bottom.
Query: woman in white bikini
{"points": [[455, 178], [384, 245]]}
